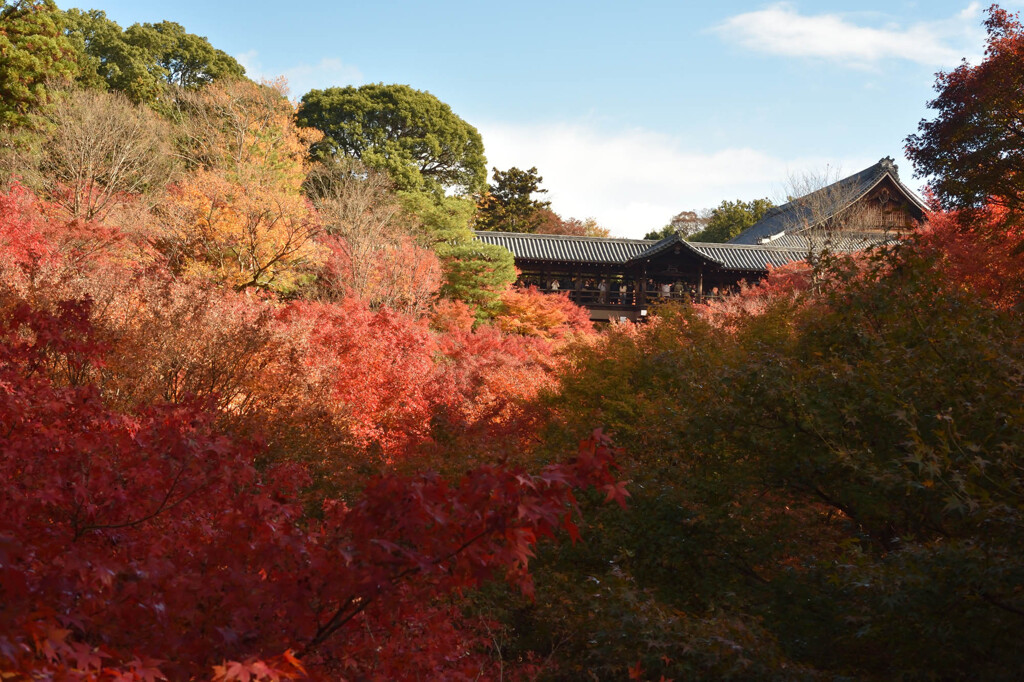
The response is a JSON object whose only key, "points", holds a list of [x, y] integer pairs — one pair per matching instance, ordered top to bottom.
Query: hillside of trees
{"points": [[268, 412]]}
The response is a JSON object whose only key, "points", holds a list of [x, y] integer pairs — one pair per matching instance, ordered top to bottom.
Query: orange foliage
{"points": [[246, 130], [239, 217], [244, 235], [984, 254], [529, 312], [452, 316], [377, 369]]}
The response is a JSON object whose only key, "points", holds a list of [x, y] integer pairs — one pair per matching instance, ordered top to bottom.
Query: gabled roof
{"points": [[781, 225], [672, 242], [725, 256]]}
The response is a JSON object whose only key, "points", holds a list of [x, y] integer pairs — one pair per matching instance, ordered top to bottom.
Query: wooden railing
{"points": [[628, 299]]}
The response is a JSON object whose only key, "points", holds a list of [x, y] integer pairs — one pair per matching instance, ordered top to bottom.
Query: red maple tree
{"points": [[146, 544]]}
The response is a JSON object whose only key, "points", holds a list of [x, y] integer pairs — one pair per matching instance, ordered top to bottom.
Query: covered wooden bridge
{"points": [[621, 278]]}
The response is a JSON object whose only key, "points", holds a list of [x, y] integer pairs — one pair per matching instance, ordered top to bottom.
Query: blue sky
{"points": [[630, 111]]}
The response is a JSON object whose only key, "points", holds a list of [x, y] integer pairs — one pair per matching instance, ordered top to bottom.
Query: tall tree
{"points": [[33, 51], [182, 58], [144, 59], [246, 129], [410, 134], [973, 150], [509, 206], [240, 215], [730, 218], [246, 235]]}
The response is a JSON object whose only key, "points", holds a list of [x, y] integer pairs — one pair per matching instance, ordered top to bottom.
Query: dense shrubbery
{"points": [[223, 397], [196, 475], [832, 485]]}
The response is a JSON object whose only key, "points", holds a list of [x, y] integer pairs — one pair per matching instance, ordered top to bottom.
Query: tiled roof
{"points": [[781, 222], [771, 241], [669, 242], [561, 248], [726, 256], [744, 257]]}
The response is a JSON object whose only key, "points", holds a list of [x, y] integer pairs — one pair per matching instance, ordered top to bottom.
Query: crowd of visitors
{"points": [[617, 290]]}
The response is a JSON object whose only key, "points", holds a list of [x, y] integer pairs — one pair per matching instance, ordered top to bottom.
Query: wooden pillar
{"points": [[700, 284]]}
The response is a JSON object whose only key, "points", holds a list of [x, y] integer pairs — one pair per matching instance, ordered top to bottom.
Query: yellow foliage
{"points": [[239, 217], [245, 235]]}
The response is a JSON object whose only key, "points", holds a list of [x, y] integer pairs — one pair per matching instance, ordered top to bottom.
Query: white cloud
{"points": [[781, 29], [328, 72], [635, 181]]}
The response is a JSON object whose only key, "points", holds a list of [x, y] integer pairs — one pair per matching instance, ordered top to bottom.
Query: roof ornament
{"points": [[887, 164]]}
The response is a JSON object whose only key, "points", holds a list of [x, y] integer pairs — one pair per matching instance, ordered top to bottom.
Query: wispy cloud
{"points": [[781, 29], [328, 72], [635, 181]]}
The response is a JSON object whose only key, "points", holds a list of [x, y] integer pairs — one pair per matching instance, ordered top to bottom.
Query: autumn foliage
{"points": [[973, 145], [242, 235], [20, 241], [982, 254], [530, 313], [264, 421], [204, 481], [141, 541]]}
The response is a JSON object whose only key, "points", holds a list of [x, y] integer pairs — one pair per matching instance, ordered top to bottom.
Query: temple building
{"points": [[621, 278]]}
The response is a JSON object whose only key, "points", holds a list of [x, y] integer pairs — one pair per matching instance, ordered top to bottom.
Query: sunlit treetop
{"points": [[33, 52], [144, 59], [408, 133]]}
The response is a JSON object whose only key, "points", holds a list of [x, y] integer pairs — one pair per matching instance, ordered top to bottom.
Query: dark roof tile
{"points": [[562, 248], [754, 258]]}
